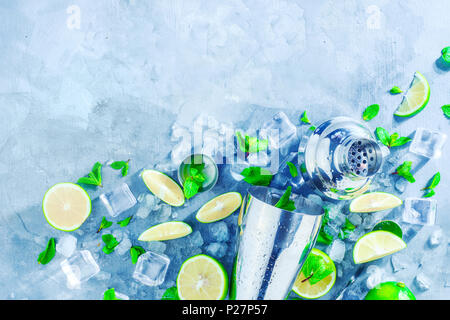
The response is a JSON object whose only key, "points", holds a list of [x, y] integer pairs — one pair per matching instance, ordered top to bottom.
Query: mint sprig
{"points": [[395, 90], [446, 110], [371, 112], [304, 118], [393, 140], [249, 144], [121, 165], [404, 170], [257, 176], [94, 177], [195, 180], [432, 184], [285, 203], [124, 222], [104, 224], [346, 229], [324, 237], [110, 243], [135, 252], [47, 255], [315, 269], [110, 294], [171, 294]]}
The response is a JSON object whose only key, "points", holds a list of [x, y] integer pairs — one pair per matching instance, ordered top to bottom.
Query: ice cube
{"points": [[280, 131], [179, 132], [428, 143], [181, 151], [400, 185], [119, 200], [419, 211], [164, 213], [355, 219], [368, 222], [218, 232], [435, 238], [196, 239], [66, 245], [157, 246], [123, 247], [216, 249], [336, 251], [398, 263], [79, 268], [151, 268], [103, 276], [375, 277], [422, 282], [122, 296]]}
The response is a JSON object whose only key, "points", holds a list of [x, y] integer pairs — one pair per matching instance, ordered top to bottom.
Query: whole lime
{"points": [[390, 290]]}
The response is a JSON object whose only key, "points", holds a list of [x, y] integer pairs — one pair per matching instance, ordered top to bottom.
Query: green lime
{"points": [[416, 98], [390, 226], [390, 290]]}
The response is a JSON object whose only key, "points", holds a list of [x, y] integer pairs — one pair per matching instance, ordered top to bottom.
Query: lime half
{"points": [[416, 98], [164, 187], [375, 201], [66, 206], [220, 207], [390, 226], [166, 231], [375, 245], [317, 261], [202, 277], [390, 290]]}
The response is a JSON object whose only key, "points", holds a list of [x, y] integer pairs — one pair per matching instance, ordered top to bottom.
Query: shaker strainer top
{"points": [[364, 157]]}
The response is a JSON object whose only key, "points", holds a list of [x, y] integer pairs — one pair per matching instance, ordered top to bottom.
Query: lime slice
{"points": [[416, 98], [164, 187], [374, 201], [66, 206], [220, 207], [390, 226], [166, 231], [375, 245], [202, 277], [305, 289], [390, 290]]}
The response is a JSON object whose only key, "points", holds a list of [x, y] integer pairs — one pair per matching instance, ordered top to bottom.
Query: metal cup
{"points": [[273, 244]]}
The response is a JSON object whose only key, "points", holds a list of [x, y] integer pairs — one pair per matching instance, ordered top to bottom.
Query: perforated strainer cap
{"points": [[364, 157]]}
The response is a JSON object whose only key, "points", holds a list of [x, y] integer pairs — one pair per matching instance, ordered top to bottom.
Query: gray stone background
{"points": [[84, 81]]}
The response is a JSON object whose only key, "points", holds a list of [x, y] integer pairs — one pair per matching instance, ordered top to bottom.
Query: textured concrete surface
{"points": [[82, 81]]}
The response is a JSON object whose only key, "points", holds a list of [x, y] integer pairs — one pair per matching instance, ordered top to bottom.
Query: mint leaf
{"points": [[446, 54], [395, 90], [446, 110], [371, 112], [304, 118], [383, 136], [400, 141], [249, 144], [121, 165], [303, 168], [292, 169], [404, 169], [197, 175], [257, 176], [94, 177], [432, 184], [190, 187], [430, 193], [285, 203], [124, 222], [104, 224], [346, 229], [110, 243], [135, 252], [47, 255], [316, 269], [110, 294], [171, 294]]}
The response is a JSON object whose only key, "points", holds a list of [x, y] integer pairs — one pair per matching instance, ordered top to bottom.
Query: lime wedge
{"points": [[416, 98], [164, 187], [375, 201], [66, 206], [220, 207], [390, 226], [166, 231], [375, 245], [202, 277], [305, 289], [390, 290]]}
